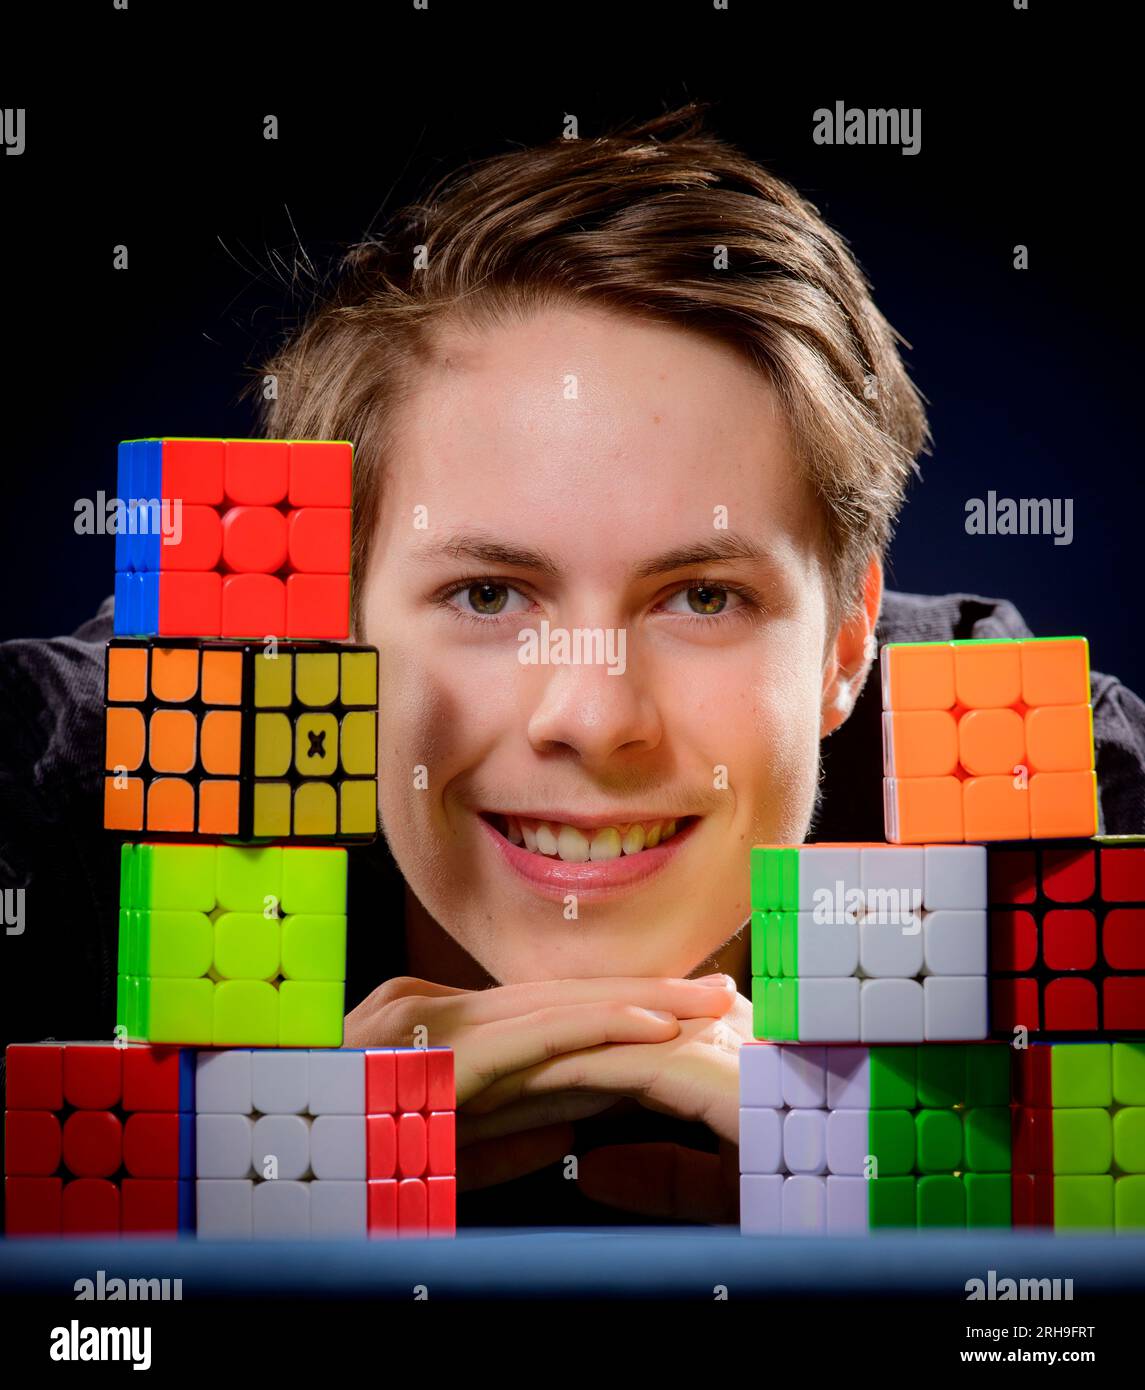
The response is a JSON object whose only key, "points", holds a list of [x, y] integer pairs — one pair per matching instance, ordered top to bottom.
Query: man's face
{"points": [[593, 471]]}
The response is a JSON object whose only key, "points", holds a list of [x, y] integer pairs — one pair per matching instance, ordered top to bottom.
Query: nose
{"points": [[597, 716]]}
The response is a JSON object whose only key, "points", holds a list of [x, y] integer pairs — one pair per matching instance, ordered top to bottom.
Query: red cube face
{"points": [[250, 538], [1071, 957], [85, 1120]]}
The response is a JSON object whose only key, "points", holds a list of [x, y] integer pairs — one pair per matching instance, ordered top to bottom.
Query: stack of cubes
{"points": [[241, 756], [923, 948]]}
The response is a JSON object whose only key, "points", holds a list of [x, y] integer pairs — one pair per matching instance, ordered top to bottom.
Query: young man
{"points": [[630, 439]]}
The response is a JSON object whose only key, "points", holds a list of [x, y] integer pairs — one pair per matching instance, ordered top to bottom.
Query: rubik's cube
{"points": [[233, 538], [238, 739], [988, 740], [1067, 937], [868, 943], [220, 944], [1079, 1136], [98, 1139], [103, 1139], [842, 1140], [343, 1143]]}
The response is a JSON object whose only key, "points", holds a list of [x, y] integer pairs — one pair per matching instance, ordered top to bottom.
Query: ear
{"points": [[849, 657]]}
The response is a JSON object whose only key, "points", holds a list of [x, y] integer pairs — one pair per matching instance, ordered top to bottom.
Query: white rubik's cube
{"points": [[869, 943], [324, 1143]]}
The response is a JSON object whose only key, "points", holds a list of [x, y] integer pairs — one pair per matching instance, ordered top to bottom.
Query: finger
{"points": [[684, 998], [385, 1018], [500, 1050], [617, 1070], [530, 1114], [501, 1160], [659, 1180]]}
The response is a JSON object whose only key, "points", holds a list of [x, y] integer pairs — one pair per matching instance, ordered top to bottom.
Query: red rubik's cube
{"points": [[233, 538], [1067, 937], [99, 1139]]}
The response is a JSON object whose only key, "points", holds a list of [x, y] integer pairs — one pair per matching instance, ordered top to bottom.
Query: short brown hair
{"points": [[634, 220]]}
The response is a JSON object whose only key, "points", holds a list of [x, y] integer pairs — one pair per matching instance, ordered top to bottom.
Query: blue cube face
{"points": [[138, 539]]}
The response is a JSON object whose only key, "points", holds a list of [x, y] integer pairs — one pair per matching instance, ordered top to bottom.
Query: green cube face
{"points": [[775, 879], [314, 880], [178, 944], [313, 948], [215, 973], [310, 1009], [775, 1010], [1129, 1073], [987, 1074], [1082, 1074], [941, 1075], [894, 1078], [987, 1131], [1129, 1139], [938, 1140], [1083, 1141], [893, 1142], [988, 1199], [941, 1201], [891, 1203], [1083, 1203], [1129, 1203]]}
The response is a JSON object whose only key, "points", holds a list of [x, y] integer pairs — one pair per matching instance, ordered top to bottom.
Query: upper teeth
{"points": [[575, 846]]}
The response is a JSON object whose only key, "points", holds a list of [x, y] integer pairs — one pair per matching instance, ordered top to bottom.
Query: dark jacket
{"points": [[59, 975]]}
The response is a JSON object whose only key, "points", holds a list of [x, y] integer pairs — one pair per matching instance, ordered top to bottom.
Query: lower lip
{"points": [[600, 878]]}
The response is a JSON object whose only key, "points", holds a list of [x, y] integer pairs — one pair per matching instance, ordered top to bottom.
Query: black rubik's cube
{"points": [[241, 739], [1067, 937]]}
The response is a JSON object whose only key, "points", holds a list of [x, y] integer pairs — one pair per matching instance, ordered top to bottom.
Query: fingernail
{"points": [[717, 979], [663, 1017]]}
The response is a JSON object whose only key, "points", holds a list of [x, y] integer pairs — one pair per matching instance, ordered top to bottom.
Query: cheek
{"points": [[783, 729]]}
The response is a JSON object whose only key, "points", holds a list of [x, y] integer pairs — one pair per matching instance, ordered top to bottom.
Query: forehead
{"points": [[611, 433]]}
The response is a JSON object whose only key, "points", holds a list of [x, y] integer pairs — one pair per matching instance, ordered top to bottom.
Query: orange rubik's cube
{"points": [[988, 740]]}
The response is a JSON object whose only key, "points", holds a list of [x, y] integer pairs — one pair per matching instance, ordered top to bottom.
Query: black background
{"points": [[1033, 377]]}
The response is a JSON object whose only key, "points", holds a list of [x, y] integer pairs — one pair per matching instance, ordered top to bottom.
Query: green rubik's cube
{"points": [[228, 946], [1079, 1136], [842, 1140]]}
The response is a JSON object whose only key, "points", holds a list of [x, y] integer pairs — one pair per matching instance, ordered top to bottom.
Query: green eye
{"points": [[488, 599], [706, 601]]}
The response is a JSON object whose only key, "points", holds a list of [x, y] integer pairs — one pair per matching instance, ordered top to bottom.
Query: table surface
{"points": [[594, 1262]]}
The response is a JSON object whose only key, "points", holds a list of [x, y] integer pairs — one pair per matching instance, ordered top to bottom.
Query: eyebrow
{"points": [[485, 550]]}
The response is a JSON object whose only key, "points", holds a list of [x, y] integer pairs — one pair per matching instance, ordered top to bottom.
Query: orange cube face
{"points": [[1055, 671], [987, 675], [918, 676], [1058, 737], [990, 741], [920, 743], [1021, 765], [1063, 804], [995, 808], [921, 810]]}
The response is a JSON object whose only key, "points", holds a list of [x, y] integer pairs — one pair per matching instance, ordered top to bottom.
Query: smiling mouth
{"points": [[574, 845]]}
